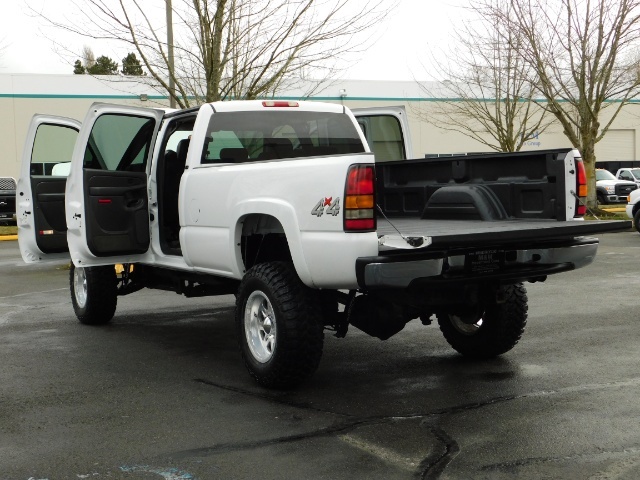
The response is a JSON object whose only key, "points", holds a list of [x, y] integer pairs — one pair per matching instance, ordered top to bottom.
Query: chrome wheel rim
{"points": [[80, 286], [260, 326], [465, 327]]}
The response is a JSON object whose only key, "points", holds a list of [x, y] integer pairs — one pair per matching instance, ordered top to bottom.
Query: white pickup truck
{"points": [[629, 174], [281, 203]]}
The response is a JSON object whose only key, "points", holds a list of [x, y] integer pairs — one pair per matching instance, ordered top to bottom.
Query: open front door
{"points": [[387, 132], [46, 159], [107, 193]]}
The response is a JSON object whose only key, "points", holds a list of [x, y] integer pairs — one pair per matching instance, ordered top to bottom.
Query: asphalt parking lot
{"points": [[161, 393]]}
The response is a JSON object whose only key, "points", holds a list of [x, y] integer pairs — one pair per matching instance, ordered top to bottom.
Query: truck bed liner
{"points": [[463, 233]]}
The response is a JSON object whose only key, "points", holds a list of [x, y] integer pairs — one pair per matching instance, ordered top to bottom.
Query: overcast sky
{"points": [[401, 49]]}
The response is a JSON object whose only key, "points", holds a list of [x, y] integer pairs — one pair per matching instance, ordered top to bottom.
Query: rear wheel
{"points": [[94, 293], [279, 326], [493, 331]]}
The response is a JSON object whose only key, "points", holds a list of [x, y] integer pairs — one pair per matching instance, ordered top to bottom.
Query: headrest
{"points": [[282, 147], [182, 149], [236, 155]]}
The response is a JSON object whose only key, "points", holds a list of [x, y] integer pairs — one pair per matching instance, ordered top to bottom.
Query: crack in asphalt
{"points": [[270, 398], [232, 447], [432, 467]]}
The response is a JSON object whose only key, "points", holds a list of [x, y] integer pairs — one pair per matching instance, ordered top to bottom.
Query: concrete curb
{"points": [[8, 237]]}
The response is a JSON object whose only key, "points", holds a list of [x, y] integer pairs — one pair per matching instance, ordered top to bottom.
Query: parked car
{"points": [[629, 174], [611, 190], [7, 200]]}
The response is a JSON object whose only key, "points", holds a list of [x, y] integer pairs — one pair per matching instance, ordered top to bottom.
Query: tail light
{"points": [[581, 188], [360, 202]]}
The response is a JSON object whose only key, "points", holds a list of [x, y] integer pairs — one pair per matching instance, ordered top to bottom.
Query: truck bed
{"points": [[475, 201], [479, 233]]}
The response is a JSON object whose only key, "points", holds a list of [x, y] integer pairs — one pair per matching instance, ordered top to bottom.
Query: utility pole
{"points": [[172, 85]]}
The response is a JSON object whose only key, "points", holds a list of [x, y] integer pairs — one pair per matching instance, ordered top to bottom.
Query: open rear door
{"points": [[387, 132], [107, 192], [40, 212]]}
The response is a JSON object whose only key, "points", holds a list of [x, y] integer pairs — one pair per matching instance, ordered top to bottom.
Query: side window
{"points": [[384, 135], [176, 137], [119, 143], [220, 144], [52, 150]]}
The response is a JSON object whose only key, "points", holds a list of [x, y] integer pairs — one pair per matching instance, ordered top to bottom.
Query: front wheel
{"points": [[94, 293], [279, 326], [494, 331]]}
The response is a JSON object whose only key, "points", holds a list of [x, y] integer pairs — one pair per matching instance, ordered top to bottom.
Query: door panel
{"points": [[116, 211], [50, 224], [42, 228]]}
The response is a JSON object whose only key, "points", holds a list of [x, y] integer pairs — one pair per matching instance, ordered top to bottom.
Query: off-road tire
{"points": [[94, 293], [271, 298], [501, 328]]}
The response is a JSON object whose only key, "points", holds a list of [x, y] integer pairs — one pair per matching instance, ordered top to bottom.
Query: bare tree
{"points": [[3, 46], [232, 48], [582, 56], [88, 57], [486, 95]]}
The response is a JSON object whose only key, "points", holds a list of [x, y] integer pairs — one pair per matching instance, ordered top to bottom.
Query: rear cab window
{"points": [[250, 136]]}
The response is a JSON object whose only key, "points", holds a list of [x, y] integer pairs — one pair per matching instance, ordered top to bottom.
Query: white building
{"points": [[23, 95]]}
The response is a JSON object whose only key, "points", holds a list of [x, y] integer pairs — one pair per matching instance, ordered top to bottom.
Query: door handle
{"points": [[134, 204]]}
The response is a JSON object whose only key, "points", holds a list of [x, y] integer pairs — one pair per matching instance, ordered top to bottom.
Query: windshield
{"points": [[604, 175]]}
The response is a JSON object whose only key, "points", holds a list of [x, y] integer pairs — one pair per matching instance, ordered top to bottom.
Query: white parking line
{"points": [[34, 293], [382, 453], [165, 473]]}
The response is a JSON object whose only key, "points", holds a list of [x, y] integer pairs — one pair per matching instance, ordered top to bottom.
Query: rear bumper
{"points": [[456, 266]]}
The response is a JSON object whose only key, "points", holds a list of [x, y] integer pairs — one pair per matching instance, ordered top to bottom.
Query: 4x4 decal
{"points": [[332, 207]]}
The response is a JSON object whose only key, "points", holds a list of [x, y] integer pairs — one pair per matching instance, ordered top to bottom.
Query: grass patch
{"points": [[605, 215], [8, 230]]}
